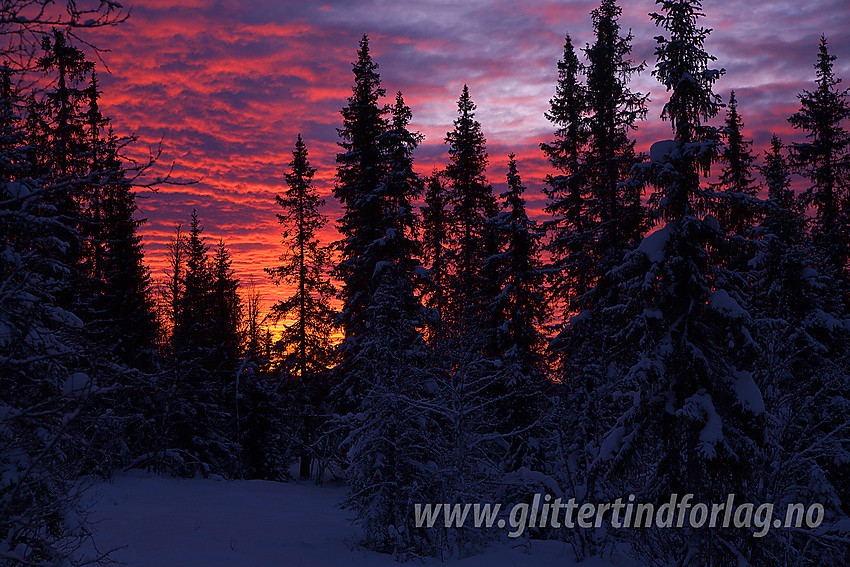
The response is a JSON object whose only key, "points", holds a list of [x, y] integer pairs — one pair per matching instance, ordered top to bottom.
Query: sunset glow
{"points": [[228, 85]]}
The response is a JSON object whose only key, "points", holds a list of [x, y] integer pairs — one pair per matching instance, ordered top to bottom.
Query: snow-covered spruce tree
{"points": [[58, 144], [77, 151], [824, 159], [360, 168], [566, 189], [473, 203], [613, 204], [611, 220], [569, 274], [117, 306], [514, 319], [802, 328], [305, 349], [677, 350], [469, 354], [45, 357], [43, 376], [466, 397], [201, 438], [391, 442]]}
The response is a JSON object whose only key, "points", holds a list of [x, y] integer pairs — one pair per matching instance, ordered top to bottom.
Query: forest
{"points": [[675, 322]]}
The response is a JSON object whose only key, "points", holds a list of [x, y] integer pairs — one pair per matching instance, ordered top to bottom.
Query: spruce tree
{"points": [[61, 124], [824, 159], [360, 168], [399, 188], [566, 190], [473, 203], [596, 203], [613, 203], [737, 206], [605, 220], [435, 242], [305, 268], [172, 286], [115, 300], [123, 306], [520, 307], [195, 308], [226, 312], [515, 317], [689, 318], [305, 348], [674, 366], [43, 367], [50, 370], [802, 370], [199, 412], [390, 448]]}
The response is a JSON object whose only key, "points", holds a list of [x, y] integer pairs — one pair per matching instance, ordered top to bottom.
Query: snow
{"points": [[661, 150], [17, 190], [711, 222], [653, 244], [379, 267], [809, 275], [722, 302], [65, 317], [579, 317], [828, 321], [75, 384], [748, 392], [699, 408], [712, 432], [611, 445], [532, 478], [169, 522]]}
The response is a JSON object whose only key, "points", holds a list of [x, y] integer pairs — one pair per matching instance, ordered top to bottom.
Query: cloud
{"points": [[227, 86]]}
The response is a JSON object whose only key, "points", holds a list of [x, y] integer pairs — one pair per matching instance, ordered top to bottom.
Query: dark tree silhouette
{"points": [[825, 160], [360, 168], [566, 192], [473, 203], [613, 204], [737, 207], [435, 243], [305, 347]]}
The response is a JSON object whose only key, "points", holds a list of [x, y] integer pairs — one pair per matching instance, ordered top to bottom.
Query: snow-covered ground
{"points": [[163, 522]]}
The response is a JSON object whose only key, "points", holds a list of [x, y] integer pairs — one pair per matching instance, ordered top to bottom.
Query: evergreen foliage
{"points": [[824, 160]]}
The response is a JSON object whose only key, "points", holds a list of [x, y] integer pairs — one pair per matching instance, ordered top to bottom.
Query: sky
{"points": [[226, 86]]}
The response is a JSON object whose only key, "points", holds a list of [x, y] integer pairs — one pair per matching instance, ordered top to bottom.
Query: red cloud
{"points": [[228, 89]]}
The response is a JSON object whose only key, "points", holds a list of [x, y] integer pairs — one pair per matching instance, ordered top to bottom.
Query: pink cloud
{"points": [[229, 85]]}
